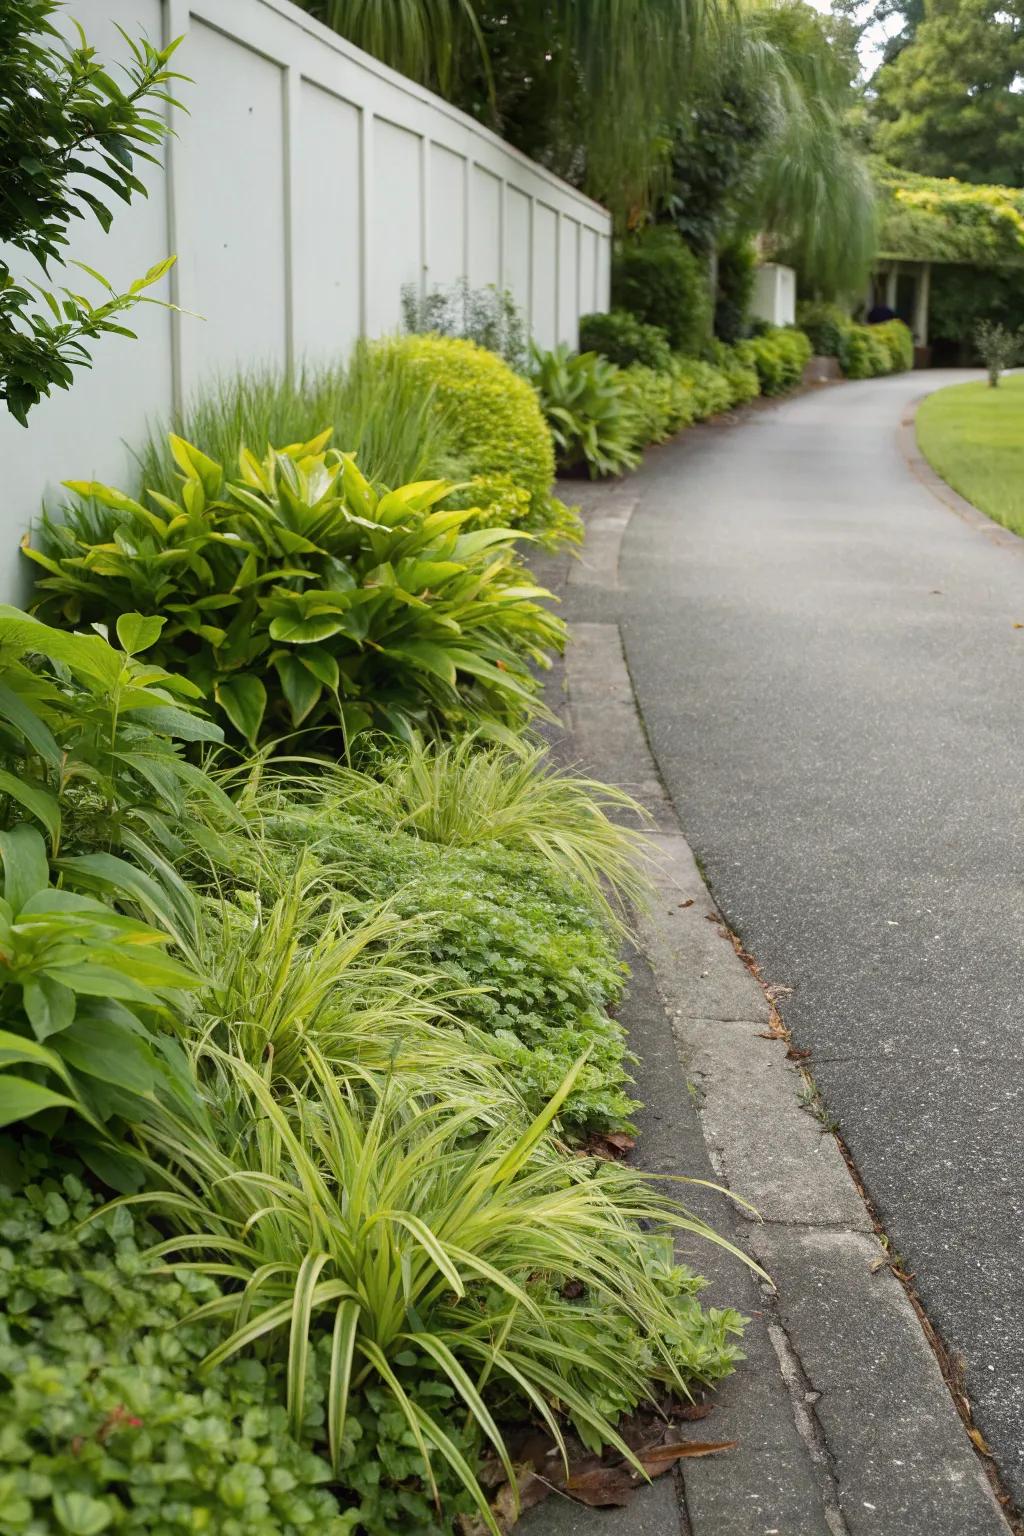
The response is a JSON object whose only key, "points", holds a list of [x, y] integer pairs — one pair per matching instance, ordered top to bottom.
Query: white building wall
{"points": [[307, 183], [774, 297]]}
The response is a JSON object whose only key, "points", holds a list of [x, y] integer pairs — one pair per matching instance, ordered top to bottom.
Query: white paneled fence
{"points": [[306, 186]]}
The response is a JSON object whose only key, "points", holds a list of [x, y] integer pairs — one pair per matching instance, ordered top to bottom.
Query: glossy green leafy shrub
{"points": [[736, 268], [659, 280], [623, 339], [779, 355], [588, 409], [494, 424], [297, 595], [107, 1424]]}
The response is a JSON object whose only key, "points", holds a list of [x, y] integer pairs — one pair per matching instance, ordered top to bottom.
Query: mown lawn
{"points": [[973, 436]]}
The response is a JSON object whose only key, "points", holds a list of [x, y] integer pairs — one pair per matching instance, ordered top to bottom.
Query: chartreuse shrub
{"points": [[657, 278], [823, 325], [623, 339], [899, 341], [863, 352], [779, 356], [742, 377], [709, 386], [661, 402], [588, 410], [495, 427], [297, 595], [108, 1425]]}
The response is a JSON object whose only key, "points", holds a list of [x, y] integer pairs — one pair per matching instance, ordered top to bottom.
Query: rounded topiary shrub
{"points": [[660, 281], [623, 339], [494, 425]]}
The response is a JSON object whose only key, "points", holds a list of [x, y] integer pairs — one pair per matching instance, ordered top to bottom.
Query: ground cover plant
{"points": [[973, 436], [299, 596]]}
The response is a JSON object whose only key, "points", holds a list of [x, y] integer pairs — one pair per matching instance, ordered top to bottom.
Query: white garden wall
{"points": [[306, 185], [774, 296]]}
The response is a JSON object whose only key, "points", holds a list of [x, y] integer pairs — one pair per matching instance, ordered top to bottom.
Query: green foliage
{"points": [[949, 104], [68, 131], [927, 218], [737, 264], [659, 280], [961, 297], [487, 316], [823, 325], [623, 339], [999, 348], [863, 353], [779, 356], [741, 376], [709, 387], [373, 403], [661, 403], [588, 410], [494, 423], [300, 597], [467, 795], [522, 953], [372, 1217], [107, 1425]]}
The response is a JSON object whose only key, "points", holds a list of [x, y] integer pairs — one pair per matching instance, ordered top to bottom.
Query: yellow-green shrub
{"points": [[865, 351], [779, 355], [707, 385], [662, 403], [496, 427]]}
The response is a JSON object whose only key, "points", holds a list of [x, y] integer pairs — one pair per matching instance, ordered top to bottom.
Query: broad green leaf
{"points": [[195, 464], [299, 631], [137, 632], [429, 657], [322, 664], [300, 687], [244, 701], [170, 721], [28, 724], [39, 802], [26, 867], [50, 1005], [15, 1048], [107, 1049], [19, 1099]]}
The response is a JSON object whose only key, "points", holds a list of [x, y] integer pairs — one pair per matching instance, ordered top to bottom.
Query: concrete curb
{"points": [[844, 1422]]}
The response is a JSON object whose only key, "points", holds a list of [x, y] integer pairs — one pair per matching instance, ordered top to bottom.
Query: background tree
{"points": [[950, 102], [68, 133]]}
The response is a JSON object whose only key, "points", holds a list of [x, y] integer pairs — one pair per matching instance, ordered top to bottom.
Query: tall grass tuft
{"points": [[375, 405], [468, 793]]}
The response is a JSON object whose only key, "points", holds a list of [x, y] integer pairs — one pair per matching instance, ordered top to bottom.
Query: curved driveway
{"points": [[828, 665]]}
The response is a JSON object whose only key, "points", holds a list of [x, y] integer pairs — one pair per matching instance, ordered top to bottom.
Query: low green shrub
{"points": [[659, 280], [487, 316], [823, 325], [623, 339], [899, 341], [864, 353], [779, 355], [744, 383], [708, 386], [661, 403], [588, 409], [494, 424], [297, 596]]}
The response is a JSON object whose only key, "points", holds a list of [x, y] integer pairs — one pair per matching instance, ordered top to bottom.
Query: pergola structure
{"points": [[884, 288]]}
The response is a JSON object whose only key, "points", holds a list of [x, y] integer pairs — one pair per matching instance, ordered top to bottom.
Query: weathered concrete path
{"points": [[828, 665]]}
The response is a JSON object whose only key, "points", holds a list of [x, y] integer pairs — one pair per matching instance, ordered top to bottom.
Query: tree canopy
{"points": [[950, 103]]}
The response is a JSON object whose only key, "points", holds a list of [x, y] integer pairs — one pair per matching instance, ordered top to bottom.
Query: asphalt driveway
{"points": [[827, 661]]}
